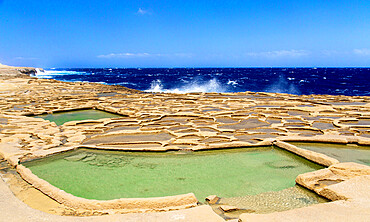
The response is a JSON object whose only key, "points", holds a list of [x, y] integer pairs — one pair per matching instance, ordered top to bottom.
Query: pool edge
{"points": [[123, 205]]}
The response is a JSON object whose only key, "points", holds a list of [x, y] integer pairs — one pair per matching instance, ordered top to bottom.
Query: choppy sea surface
{"points": [[332, 81]]}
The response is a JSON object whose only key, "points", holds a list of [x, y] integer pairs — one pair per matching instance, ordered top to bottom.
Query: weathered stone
{"points": [[311, 155], [350, 170], [329, 182], [357, 188], [212, 199], [227, 208]]}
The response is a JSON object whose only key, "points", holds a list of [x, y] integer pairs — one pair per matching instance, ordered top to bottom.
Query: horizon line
{"points": [[210, 67]]}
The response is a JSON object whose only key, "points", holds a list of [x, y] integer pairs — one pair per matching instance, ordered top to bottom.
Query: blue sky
{"points": [[199, 33]]}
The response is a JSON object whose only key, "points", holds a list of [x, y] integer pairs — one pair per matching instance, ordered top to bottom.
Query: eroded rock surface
{"points": [[172, 121], [192, 121]]}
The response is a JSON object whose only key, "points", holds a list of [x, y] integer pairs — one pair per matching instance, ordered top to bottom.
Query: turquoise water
{"points": [[62, 117], [105, 175]]}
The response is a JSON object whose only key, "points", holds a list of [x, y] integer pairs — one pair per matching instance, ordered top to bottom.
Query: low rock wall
{"points": [[319, 158], [126, 205]]}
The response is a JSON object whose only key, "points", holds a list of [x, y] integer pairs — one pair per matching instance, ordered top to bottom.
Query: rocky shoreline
{"points": [[14, 72], [191, 122]]}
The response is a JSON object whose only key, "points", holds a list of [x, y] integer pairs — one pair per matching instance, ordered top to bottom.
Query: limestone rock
{"points": [[308, 154], [350, 169], [321, 180], [355, 188], [212, 199], [227, 208]]}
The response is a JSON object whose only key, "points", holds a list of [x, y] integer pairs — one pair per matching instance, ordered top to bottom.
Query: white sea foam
{"points": [[50, 73], [44, 76], [232, 82], [126, 83], [213, 85]]}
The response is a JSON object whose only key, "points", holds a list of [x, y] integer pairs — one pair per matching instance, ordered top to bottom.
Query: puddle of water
{"points": [[111, 94], [348, 103], [62, 117], [227, 120], [361, 122], [245, 124], [323, 125], [135, 127], [341, 152], [105, 175]]}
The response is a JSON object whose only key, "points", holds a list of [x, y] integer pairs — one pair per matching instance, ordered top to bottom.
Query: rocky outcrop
{"points": [[11, 71], [320, 180]]}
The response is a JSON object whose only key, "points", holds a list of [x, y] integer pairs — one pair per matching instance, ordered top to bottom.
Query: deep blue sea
{"points": [[333, 81]]}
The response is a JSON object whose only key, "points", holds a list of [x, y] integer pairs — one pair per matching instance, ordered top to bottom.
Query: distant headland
{"points": [[12, 71]]}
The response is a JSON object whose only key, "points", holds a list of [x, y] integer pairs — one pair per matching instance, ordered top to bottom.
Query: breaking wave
{"points": [[48, 74], [333, 81], [212, 85]]}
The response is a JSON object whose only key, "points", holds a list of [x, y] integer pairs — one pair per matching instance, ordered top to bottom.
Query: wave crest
{"points": [[51, 74], [212, 85]]}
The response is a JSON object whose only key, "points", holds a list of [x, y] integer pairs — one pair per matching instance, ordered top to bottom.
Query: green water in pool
{"points": [[62, 117], [341, 152], [104, 175]]}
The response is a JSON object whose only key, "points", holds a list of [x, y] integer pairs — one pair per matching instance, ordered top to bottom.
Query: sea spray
{"points": [[47, 74], [332, 81], [212, 85], [283, 86]]}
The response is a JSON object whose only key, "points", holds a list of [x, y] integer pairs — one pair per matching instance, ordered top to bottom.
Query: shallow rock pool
{"points": [[89, 114], [104, 175]]}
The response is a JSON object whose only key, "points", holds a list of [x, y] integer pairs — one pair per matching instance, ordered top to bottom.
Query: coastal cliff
{"points": [[11, 71], [11, 74]]}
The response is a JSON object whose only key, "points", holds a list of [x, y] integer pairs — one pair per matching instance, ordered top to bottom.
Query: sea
{"points": [[299, 81]]}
